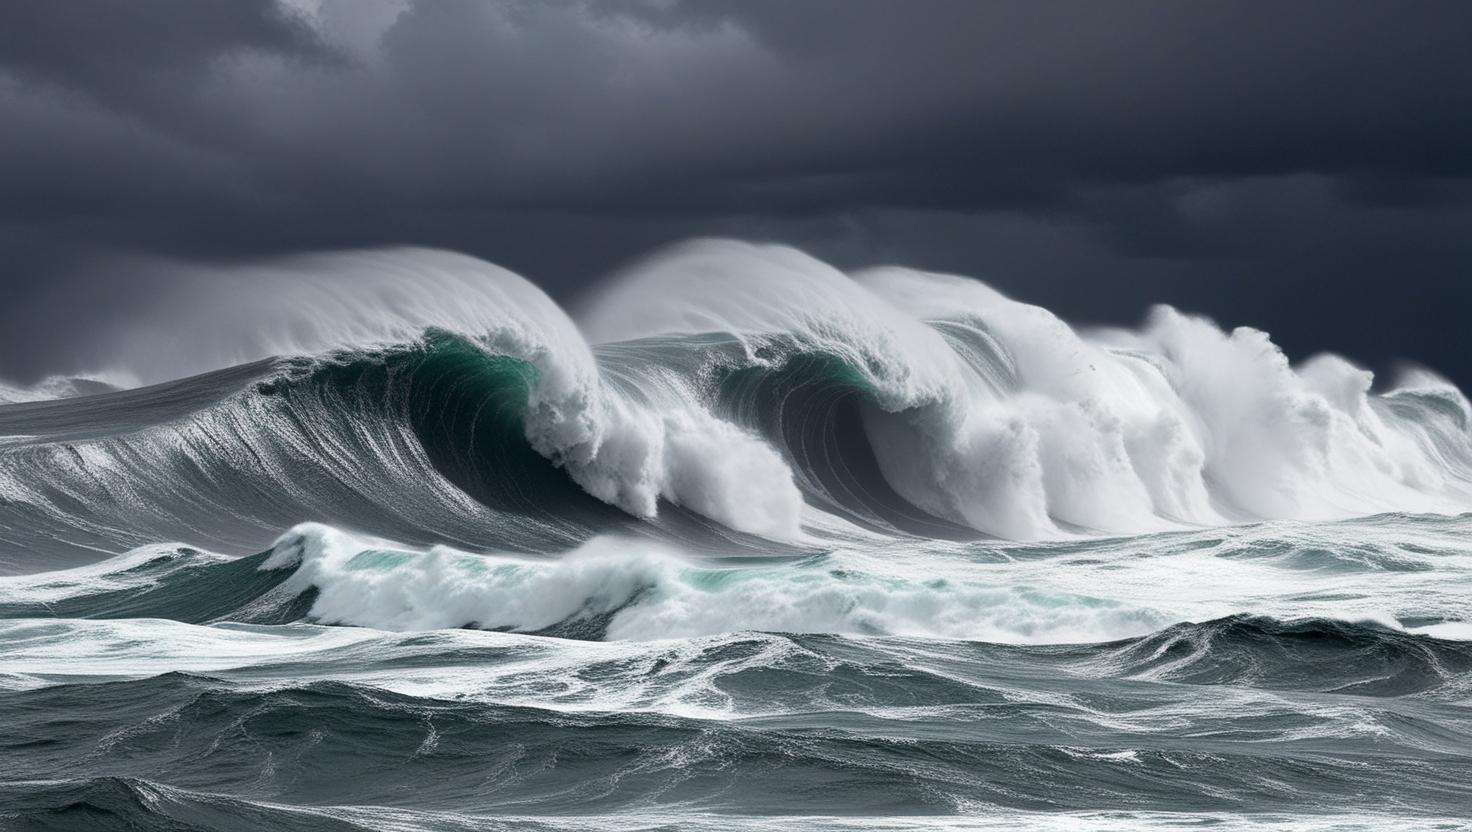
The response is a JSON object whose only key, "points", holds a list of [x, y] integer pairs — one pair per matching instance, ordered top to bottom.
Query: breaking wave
{"points": [[717, 391], [391, 539]]}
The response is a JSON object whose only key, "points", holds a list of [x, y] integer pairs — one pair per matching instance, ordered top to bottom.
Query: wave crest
{"points": [[750, 386]]}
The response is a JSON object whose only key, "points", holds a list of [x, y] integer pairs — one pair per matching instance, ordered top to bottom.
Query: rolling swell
{"points": [[179, 584], [1326, 656], [757, 725], [332, 744]]}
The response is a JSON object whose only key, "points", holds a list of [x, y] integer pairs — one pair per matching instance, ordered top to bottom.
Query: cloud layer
{"points": [[1297, 166]]}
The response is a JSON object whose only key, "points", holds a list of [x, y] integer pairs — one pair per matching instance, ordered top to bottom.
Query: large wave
{"points": [[717, 391], [998, 415]]}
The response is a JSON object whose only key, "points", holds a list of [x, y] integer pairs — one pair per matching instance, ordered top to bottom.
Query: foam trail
{"points": [[628, 589], [637, 591]]}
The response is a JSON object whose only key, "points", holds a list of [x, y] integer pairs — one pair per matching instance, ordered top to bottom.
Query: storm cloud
{"points": [[1300, 167]]}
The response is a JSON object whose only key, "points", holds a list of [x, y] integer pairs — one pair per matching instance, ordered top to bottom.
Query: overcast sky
{"points": [[1304, 167]]}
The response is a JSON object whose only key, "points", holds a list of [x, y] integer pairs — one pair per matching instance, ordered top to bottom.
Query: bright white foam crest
{"points": [[998, 415], [638, 591]]}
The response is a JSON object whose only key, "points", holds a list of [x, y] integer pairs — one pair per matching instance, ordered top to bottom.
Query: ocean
{"points": [[396, 542]]}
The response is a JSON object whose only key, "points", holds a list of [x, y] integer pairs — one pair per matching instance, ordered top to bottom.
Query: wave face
{"points": [[735, 390], [392, 540]]}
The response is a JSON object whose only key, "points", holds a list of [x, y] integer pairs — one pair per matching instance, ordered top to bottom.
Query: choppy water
{"points": [[771, 548]]}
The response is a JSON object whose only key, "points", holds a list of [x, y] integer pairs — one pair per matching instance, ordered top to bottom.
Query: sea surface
{"points": [[742, 542]]}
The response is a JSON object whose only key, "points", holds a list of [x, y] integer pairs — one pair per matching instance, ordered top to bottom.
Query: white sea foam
{"points": [[1403, 573], [642, 592], [1023, 594]]}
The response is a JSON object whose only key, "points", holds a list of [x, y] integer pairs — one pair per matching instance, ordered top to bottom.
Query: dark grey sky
{"points": [[1304, 167]]}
